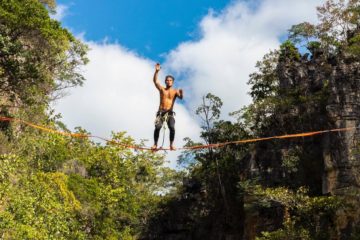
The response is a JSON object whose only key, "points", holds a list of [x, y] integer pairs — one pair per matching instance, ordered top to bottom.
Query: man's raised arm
{"points": [[156, 81]]}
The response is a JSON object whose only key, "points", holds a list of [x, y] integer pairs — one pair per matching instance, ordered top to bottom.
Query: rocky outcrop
{"points": [[328, 94]]}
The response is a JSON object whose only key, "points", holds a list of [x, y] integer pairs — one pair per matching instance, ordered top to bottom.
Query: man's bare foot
{"points": [[154, 147], [172, 148]]}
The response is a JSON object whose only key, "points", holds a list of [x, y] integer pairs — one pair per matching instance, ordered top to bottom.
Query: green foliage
{"points": [[339, 20], [302, 32], [354, 45], [313, 46], [289, 51], [37, 56], [264, 82], [209, 110], [291, 160], [56, 187], [300, 201], [36, 205], [303, 214], [290, 231]]}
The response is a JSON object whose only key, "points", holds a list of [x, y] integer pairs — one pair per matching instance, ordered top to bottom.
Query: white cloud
{"points": [[61, 12], [231, 43], [119, 95]]}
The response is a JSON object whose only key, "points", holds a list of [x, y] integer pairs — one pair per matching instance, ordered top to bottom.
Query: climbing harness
{"points": [[163, 120]]}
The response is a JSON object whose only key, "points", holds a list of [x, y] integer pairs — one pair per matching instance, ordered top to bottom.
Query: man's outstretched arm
{"points": [[156, 81]]}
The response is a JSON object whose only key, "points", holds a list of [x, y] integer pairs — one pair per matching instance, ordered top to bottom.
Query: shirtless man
{"points": [[168, 96]]}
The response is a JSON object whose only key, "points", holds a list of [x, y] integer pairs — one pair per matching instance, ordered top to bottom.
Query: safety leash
{"points": [[165, 118]]}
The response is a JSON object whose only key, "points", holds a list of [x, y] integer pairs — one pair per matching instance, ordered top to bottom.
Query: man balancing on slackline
{"points": [[168, 96]]}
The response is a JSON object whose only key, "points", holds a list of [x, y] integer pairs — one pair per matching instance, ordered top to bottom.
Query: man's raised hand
{"points": [[157, 67], [155, 79], [180, 94]]}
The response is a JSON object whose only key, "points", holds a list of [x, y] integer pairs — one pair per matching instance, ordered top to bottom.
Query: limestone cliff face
{"points": [[341, 77], [341, 157], [330, 163], [342, 164]]}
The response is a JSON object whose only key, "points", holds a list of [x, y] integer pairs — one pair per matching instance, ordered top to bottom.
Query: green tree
{"points": [[338, 28], [38, 57], [56, 187]]}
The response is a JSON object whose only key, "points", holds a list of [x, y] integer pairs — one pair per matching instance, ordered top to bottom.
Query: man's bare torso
{"points": [[167, 99]]}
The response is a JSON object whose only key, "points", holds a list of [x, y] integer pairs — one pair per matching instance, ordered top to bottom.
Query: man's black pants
{"points": [[162, 116]]}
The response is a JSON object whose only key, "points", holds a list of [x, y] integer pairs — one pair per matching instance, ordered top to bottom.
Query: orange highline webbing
{"points": [[8, 119], [69, 134], [295, 135], [213, 145]]}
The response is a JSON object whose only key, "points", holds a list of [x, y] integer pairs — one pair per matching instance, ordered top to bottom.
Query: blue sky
{"points": [[151, 28]]}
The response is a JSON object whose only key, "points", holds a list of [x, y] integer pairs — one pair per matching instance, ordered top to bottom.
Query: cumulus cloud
{"points": [[230, 43], [119, 95]]}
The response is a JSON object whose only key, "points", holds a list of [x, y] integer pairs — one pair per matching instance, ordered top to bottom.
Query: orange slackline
{"points": [[69, 134], [77, 135], [214, 145]]}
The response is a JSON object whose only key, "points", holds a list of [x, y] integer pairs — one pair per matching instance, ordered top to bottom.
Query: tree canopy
{"points": [[38, 57]]}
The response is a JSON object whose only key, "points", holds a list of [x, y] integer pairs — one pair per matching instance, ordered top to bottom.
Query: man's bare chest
{"points": [[168, 94]]}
